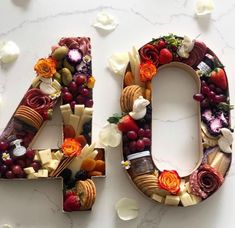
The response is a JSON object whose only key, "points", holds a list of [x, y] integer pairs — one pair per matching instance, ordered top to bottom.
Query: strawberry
{"points": [[160, 44], [165, 56], [218, 77], [127, 123], [69, 193], [72, 203]]}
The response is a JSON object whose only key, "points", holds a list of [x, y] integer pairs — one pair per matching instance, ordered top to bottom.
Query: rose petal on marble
{"points": [[204, 7], [105, 21], [9, 52], [117, 63], [110, 135], [127, 209]]}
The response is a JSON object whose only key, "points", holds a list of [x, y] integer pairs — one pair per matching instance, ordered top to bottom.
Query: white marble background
{"points": [[37, 24]]}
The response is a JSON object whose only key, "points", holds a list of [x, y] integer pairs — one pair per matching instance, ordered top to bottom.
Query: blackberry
{"points": [[66, 174], [81, 175]]}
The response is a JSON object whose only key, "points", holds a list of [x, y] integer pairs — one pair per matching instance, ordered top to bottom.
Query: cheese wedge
{"points": [[79, 109], [66, 116], [74, 121], [58, 155]]}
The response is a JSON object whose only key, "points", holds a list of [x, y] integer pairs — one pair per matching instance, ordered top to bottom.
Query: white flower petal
{"points": [[204, 7], [105, 21], [9, 52], [117, 63], [227, 134], [110, 135], [224, 145], [127, 209]]}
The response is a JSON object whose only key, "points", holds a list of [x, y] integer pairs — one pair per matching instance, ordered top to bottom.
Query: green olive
{"points": [[60, 52], [68, 65], [66, 76], [57, 77]]}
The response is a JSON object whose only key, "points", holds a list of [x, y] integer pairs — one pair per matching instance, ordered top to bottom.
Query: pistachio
{"points": [[60, 52], [66, 64], [66, 76]]}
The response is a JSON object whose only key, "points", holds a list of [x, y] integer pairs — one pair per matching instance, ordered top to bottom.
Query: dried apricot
{"points": [[128, 78], [147, 94], [88, 164], [99, 166], [94, 173]]}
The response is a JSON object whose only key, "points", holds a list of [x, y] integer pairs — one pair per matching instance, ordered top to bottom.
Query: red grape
{"points": [[81, 79], [203, 83], [73, 87], [212, 87], [65, 89], [205, 90], [85, 92], [211, 95], [67, 97], [198, 97], [219, 98], [80, 99], [89, 103], [205, 103], [72, 104], [141, 132], [147, 133], [132, 135], [147, 141], [140, 145], [4, 146], [132, 146], [30, 154], [8, 162], [21, 163], [36, 166], [3, 169], [16, 169], [9, 174]]}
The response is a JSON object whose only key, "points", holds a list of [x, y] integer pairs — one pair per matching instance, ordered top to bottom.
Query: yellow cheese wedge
{"points": [[45, 156], [29, 170], [42, 173], [172, 200]]}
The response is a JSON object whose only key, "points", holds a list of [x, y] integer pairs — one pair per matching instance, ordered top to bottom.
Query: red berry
{"points": [[161, 44], [165, 56], [218, 77], [80, 79], [73, 87], [205, 90], [85, 92], [211, 95], [67, 97], [198, 97], [219, 98], [80, 99], [89, 103], [72, 104], [127, 123], [141, 132], [147, 133], [132, 135], [147, 141], [140, 145], [4, 146], [132, 146], [30, 154], [8, 162], [21, 163], [36, 166], [3, 169], [16, 169], [9, 174]]}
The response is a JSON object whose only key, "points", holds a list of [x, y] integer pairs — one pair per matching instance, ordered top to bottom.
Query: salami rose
{"points": [[149, 53], [38, 101], [205, 180]]}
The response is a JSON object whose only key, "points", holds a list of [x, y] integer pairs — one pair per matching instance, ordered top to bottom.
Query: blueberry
{"points": [[87, 127], [66, 174], [81, 175], [71, 183]]}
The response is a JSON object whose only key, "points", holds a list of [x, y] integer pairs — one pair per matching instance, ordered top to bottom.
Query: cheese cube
{"points": [[58, 155], [45, 156], [53, 164], [29, 170], [42, 173], [32, 176], [157, 198], [186, 199], [195, 199], [172, 200]]}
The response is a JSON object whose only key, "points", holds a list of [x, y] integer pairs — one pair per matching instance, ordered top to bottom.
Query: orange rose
{"points": [[45, 67], [147, 71], [91, 82], [71, 147], [170, 181]]}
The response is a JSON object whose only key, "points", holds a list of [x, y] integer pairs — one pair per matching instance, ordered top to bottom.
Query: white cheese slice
{"points": [[79, 109], [74, 121], [45, 156], [53, 164], [42, 173]]}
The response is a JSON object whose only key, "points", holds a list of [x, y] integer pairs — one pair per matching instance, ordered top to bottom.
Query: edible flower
{"points": [[204, 7], [117, 63], [45, 67], [147, 71], [91, 82], [71, 147], [5, 156], [126, 164], [170, 181]]}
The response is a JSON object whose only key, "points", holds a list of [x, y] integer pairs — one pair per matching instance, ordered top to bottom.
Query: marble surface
{"points": [[37, 24]]}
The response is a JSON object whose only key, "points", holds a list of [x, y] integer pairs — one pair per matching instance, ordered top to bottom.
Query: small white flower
{"points": [[204, 7], [105, 21], [186, 47], [9, 52], [117, 63], [226, 140], [126, 164], [127, 209]]}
